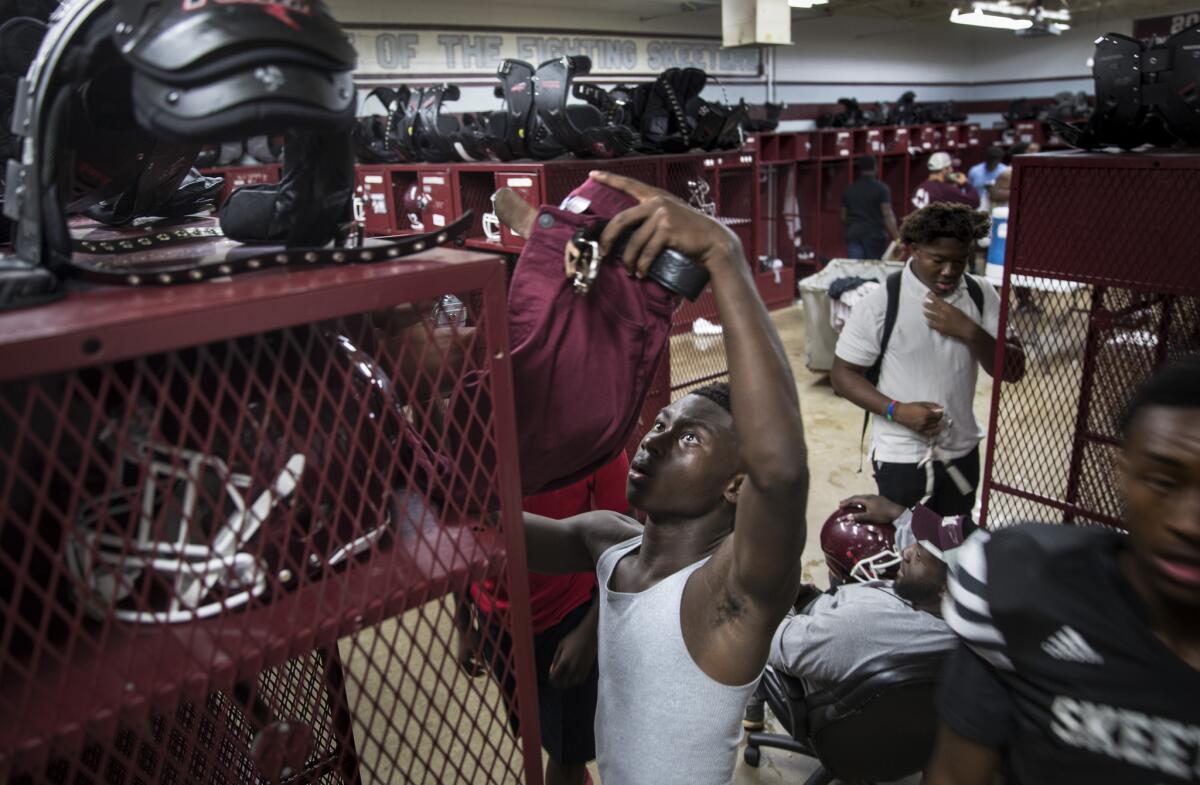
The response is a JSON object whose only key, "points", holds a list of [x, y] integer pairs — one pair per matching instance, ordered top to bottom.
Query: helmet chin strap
{"points": [[934, 454]]}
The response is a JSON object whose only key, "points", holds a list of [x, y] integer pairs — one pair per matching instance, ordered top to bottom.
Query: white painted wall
{"points": [[622, 15], [611, 16], [997, 54], [998, 57], [871, 59]]}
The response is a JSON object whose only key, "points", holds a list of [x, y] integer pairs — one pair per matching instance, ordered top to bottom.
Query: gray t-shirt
{"points": [[850, 630]]}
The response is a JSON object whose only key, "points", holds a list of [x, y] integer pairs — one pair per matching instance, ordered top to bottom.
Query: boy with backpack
{"points": [[909, 356]]}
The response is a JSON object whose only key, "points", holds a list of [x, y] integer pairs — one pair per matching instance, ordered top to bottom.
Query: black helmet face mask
{"points": [[207, 71], [122, 93], [1144, 94]]}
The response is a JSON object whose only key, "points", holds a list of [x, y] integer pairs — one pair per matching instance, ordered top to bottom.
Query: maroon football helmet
{"points": [[415, 201], [250, 489], [856, 552]]}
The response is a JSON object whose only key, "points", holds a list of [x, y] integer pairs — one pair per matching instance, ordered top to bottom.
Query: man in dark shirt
{"points": [[944, 185], [867, 214], [1079, 660]]}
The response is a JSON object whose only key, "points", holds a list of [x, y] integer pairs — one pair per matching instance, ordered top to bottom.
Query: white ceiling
{"points": [[913, 10]]}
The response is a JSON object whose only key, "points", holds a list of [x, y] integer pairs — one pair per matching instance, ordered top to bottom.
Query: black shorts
{"points": [[904, 483], [567, 717]]}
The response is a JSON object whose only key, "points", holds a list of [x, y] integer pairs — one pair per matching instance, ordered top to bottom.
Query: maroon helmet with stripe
{"points": [[857, 551]]}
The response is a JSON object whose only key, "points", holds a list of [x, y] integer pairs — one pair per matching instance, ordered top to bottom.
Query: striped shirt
{"points": [[1058, 665]]}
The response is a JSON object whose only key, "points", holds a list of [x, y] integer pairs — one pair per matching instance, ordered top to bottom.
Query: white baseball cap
{"points": [[939, 161]]}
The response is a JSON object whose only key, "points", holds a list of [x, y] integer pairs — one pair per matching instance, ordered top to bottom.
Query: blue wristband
{"points": [[891, 410]]}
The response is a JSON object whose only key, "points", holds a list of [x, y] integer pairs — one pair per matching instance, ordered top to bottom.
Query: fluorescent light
{"points": [[806, 3], [1020, 12], [980, 19]]}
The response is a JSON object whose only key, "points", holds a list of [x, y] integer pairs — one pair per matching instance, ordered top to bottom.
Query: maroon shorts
{"points": [[582, 364]]}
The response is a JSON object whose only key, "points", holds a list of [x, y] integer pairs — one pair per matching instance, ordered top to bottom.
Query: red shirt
{"points": [[938, 191], [552, 597]]}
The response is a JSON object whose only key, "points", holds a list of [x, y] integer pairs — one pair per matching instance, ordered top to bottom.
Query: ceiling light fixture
{"points": [[807, 3], [1021, 12], [978, 18], [1026, 20]]}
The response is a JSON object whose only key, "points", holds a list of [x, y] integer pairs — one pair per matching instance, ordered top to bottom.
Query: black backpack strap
{"points": [[976, 292], [889, 323]]}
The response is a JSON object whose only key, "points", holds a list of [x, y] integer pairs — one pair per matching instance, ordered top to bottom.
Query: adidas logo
{"points": [[1069, 645]]}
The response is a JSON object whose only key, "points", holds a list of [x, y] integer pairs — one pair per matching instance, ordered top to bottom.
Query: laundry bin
{"points": [[819, 337]]}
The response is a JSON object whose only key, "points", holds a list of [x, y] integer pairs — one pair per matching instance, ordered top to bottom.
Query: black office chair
{"points": [[876, 727]]}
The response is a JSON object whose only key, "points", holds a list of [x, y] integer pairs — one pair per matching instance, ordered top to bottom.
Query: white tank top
{"points": [[660, 720]]}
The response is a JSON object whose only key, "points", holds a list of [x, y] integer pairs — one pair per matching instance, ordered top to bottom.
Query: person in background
{"points": [[982, 175], [944, 185], [1001, 188], [999, 193], [867, 215], [924, 436], [689, 602], [565, 615], [869, 623], [832, 636], [1079, 659]]}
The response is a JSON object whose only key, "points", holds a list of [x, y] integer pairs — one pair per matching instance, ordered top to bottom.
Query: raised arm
{"points": [[959, 181], [770, 526], [573, 545], [764, 569]]}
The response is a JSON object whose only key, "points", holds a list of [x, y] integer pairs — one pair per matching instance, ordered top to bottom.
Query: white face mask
{"points": [[875, 567]]}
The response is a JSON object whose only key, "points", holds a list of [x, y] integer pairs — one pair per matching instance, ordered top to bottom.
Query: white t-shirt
{"points": [[921, 364]]}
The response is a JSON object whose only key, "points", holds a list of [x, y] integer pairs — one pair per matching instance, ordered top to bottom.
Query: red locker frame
{"points": [[817, 166], [1106, 247], [321, 674]]}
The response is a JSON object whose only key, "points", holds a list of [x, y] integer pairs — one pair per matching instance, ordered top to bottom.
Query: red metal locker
{"points": [[1029, 132], [929, 137], [952, 137], [896, 140], [875, 141], [837, 144], [527, 186], [438, 188], [373, 200], [154, 631]]}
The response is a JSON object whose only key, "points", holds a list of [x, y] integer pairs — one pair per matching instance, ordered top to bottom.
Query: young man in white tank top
{"points": [[689, 603]]}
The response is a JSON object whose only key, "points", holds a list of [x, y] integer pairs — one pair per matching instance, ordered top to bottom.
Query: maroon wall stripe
{"points": [[527, 29], [484, 79], [915, 85], [995, 106]]}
